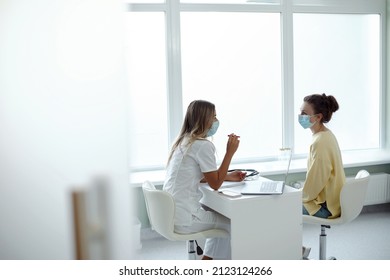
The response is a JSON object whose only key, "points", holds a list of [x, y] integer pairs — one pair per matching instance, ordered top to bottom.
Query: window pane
{"points": [[340, 55], [234, 61], [146, 62]]}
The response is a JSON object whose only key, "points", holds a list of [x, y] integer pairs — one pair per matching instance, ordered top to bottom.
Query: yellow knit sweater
{"points": [[325, 174]]}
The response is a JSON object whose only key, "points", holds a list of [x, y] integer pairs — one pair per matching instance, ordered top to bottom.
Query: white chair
{"points": [[352, 198], [160, 206]]}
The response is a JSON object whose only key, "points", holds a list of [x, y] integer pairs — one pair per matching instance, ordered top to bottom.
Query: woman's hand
{"points": [[232, 144], [236, 176]]}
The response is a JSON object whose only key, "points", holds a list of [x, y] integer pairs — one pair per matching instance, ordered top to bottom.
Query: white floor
{"points": [[365, 238]]}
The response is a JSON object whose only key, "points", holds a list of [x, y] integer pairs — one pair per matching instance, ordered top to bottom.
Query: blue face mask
{"points": [[304, 121], [213, 129]]}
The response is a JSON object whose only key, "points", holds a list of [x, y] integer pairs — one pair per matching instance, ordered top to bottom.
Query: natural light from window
{"points": [[339, 55], [231, 60], [255, 60]]}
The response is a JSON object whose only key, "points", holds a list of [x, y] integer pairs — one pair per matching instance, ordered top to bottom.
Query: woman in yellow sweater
{"points": [[325, 173]]}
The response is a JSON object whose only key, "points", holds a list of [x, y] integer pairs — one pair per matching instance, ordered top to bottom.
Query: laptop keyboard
{"points": [[268, 186]]}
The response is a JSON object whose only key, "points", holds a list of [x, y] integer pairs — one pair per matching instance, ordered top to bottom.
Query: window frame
{"points": [[172, 10]]}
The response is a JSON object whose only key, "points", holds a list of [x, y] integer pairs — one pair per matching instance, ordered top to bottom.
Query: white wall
{"points": [[62, 120]]}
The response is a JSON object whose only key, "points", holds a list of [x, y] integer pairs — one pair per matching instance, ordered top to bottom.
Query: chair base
{"points": [[193, 249], [322, 253]]}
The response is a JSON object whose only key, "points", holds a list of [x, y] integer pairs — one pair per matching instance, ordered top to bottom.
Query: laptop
{"points": [[267, 187]]}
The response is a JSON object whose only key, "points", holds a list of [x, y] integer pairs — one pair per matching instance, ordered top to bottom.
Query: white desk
{"points": [[263, 227]]}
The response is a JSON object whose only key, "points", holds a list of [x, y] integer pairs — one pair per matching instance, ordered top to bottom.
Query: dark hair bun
{"points": [[332, 102], [324, 104]]}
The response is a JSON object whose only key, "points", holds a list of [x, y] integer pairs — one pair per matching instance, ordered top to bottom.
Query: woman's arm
{"points": [[216, 178]]}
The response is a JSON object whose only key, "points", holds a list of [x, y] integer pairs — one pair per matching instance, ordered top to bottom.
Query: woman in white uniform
{"points": [[192, 161]]}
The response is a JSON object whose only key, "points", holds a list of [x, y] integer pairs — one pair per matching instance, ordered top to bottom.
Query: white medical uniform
{"points": [[184, 173]]}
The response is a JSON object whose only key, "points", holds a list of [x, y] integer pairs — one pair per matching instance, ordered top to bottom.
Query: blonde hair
{"points": [[197, 121]]}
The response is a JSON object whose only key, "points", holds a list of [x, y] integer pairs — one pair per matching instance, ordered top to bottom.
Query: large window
{"points": [[339, 54], [233, 60], [255, 60], [146, 68]]}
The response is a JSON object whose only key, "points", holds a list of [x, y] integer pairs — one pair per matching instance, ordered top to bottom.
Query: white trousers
{"points": [[216, 248]]}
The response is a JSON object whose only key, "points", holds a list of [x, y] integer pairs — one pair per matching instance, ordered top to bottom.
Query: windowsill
{"points": [[350, 159]]}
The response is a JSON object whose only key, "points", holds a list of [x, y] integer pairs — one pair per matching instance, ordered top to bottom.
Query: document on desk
{"points": [[229, 184], [226, 185], [227, 188], [229, 193]]}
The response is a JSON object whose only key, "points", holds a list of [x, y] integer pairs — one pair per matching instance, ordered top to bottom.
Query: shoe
{"points": [[305, 252]]}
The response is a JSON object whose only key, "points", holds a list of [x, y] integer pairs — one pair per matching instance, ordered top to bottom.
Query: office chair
{"points": [[352, 198], [160, 207]]}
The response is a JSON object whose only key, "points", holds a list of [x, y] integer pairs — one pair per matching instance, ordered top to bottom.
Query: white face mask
{"points": [[213, 129]]}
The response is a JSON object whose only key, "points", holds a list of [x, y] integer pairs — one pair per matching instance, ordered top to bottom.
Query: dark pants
{"points": [[322, 213]]}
